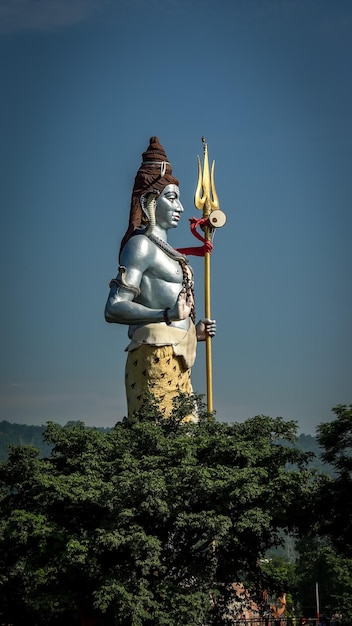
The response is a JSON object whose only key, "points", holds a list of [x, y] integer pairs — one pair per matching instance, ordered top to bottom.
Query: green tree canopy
{"points": [[335, 501], [147, 523], [320, 563]]}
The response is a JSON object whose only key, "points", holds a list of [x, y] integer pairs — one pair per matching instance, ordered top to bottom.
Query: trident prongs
{"points": [[205, 197]]}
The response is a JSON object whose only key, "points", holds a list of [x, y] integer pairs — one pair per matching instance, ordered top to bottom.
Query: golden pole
{"points": [[206, 199], [208, 355]]}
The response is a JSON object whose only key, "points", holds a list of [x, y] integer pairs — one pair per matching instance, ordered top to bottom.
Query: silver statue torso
{"points": [[162, 278]]}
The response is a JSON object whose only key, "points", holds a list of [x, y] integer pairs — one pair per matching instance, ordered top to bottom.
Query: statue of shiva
{"points": [[153, 292]]}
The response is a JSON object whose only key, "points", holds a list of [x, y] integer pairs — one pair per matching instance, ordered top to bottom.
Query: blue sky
{"points": [[84, 86]]}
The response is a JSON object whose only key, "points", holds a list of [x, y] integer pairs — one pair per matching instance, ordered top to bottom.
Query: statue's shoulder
{"points": [[136, 242], [137, 247]]}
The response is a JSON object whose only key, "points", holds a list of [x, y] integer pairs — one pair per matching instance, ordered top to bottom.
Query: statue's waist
{"points": [[183, 341]]}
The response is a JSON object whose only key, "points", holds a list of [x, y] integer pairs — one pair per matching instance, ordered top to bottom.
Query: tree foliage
{"points": [[21, 434], [335, 501], [146, 523], [325, 553], [320, 563]]}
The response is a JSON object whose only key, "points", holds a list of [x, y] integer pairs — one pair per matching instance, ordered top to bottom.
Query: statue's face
{"points": [[168, 207]]}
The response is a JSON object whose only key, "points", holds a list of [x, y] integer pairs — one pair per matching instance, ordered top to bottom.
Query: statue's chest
{"points": [[166, 269]]}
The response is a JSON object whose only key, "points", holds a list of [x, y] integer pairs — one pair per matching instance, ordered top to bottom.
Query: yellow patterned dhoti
{"points": [[161, 370]]}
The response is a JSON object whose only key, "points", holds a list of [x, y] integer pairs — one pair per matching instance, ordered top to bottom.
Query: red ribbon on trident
{"points": [[197, 250]]}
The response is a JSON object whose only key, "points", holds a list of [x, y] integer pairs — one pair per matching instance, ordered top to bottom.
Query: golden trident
{"points": [[206, 199]]}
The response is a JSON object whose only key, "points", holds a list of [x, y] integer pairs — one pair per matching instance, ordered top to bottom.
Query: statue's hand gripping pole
{"points": [[206, 199]]}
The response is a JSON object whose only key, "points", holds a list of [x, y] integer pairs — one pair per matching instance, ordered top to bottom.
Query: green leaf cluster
{"points": [[334, 509], [146, 523], [325, 554], [319, 563]]}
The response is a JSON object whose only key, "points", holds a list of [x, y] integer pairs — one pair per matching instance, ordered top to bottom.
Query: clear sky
{"points": [[84, 84]]}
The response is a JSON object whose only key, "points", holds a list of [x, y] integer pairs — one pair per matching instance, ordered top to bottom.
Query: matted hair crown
{"points": [[153, 175]]}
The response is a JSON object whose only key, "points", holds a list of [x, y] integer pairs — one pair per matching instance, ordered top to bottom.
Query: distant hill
{"points": [[23, 434], [308, 443]]}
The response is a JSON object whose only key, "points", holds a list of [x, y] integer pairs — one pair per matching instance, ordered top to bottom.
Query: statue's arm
{"points": [[120, 307]]}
